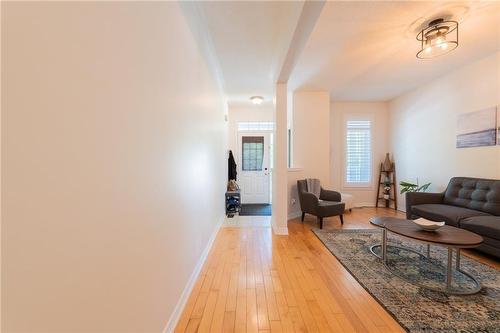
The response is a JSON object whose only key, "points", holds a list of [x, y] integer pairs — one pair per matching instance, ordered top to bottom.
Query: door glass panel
{"points": [[253, 153]]}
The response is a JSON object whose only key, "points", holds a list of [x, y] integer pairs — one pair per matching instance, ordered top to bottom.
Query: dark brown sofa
{"points": [[328, 203], [469, 203]]}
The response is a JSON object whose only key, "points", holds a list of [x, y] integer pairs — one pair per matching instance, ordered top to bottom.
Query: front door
{"points": [[254, 167]]}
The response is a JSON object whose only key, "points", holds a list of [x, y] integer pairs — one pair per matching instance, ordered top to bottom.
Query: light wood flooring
{"points": [[254, 281]]}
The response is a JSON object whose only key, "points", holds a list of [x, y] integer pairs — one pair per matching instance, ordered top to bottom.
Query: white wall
{"points": [[341, 112], [238, 113], [423, 126], [311, 142], [113, 164], [279, 172]]}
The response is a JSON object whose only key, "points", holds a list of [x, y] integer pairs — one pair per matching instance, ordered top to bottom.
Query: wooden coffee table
{"points": [[380, 221], [447, 236]]}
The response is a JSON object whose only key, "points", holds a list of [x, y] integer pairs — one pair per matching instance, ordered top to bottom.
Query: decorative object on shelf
{"points": [[438, 38], [476, 129], [387, 165], [387, 181], [411, 187], [387, 191], [428, 225]]}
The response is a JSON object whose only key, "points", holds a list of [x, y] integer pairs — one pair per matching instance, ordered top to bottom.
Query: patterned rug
{"points": [[418, 309]]}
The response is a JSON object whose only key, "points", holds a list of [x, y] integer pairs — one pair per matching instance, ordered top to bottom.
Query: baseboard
{"points": [[363, 204], [294, 215], [280, 230], [174, 318]]}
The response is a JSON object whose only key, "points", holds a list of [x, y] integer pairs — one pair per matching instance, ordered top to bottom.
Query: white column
{"points": [[279, 218]]}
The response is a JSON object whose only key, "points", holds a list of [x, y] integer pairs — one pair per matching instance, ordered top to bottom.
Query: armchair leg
{"points": [[303, 215], [341, 219], [320, 221]]}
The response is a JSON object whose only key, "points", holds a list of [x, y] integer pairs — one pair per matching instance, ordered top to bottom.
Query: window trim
{"points": [[363, 185]]}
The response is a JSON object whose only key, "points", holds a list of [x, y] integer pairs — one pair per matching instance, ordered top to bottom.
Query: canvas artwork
{"points": [[498, 125], [476, 129]]}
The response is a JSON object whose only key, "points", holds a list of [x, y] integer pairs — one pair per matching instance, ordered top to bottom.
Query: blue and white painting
{"points": [[498, 125], [476, 129]]}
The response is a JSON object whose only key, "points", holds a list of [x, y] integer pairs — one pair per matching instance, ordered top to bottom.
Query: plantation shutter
{"points": [[358, 159]]}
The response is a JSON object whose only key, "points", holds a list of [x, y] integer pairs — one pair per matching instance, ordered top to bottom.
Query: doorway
{"points": [[255, 167]]}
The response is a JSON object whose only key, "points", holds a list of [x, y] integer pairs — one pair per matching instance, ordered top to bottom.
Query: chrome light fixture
{"points": [[438, 38], [257, 100]]}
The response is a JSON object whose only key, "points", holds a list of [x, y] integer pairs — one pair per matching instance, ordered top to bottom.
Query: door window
{"points": [[253, 153]]}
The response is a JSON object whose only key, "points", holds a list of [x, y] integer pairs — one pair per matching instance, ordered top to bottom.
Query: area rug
{"points": [[255, 210], [417, 309]]}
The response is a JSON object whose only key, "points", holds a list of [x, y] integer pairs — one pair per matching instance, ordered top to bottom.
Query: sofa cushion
{"points": [[474, 193], [449, 214], [483, 225]]}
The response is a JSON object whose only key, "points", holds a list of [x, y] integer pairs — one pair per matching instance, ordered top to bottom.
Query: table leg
{"points": [[384, 245], [428, 251], [458, 260], [448, 269]]}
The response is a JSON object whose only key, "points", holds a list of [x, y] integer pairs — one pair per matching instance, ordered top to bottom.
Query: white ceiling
{"points": [[250, 40], [365, 51]]}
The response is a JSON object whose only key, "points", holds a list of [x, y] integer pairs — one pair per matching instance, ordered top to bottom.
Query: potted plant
{"points": [[411, 187], [387, 191]]}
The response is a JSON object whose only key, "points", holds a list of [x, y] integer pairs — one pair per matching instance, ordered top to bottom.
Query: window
{"points": [[255, 126], [358, 152], [253, 153]]}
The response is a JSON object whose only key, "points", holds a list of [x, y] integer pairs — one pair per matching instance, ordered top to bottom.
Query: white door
{"points": [[253, 167]]}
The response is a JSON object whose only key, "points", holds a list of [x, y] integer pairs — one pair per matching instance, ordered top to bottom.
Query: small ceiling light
{"points": [[438, 38], [257, 100]]}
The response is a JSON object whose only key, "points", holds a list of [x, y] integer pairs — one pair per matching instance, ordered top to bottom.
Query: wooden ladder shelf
{"points": [[391, 175]]}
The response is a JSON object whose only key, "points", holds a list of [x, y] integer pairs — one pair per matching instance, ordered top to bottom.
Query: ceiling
{"points": [[250, 40], [356, 50], [365, 51]]}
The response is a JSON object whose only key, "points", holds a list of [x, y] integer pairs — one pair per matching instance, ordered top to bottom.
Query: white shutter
{"points": [[358, 152]]}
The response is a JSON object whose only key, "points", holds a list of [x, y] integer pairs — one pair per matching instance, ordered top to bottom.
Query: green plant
{"points": [[410, 187]]}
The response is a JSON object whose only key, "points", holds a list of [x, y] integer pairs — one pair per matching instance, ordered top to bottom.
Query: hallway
{"points": [[254, 281]]}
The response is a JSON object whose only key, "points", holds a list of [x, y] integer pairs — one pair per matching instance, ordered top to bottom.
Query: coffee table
{"points": [[380, 221], [447, 236]]}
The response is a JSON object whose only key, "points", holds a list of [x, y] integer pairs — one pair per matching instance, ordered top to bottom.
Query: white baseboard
{"points": [[363, 204], [294, 215], [280, 230], [174, 318]]}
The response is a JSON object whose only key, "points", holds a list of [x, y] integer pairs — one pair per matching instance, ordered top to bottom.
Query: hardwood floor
{"points": [[254, 281]]}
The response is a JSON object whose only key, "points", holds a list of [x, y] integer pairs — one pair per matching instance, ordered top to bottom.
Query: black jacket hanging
{"points": [[231, 167]]}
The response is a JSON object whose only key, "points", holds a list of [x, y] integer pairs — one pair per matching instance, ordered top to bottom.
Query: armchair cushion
{"points": [[329, 195], [330, 208]]}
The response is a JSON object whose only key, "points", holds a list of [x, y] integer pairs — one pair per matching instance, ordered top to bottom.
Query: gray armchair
{"points": [[328, 204]]}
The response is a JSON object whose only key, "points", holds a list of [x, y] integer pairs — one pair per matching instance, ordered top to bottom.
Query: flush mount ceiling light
{"points": [[438, 38], [257, 100]]}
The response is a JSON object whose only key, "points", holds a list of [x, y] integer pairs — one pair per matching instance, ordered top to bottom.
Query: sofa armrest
{"points": [[330, 195], [420, 198], [309, 203]]}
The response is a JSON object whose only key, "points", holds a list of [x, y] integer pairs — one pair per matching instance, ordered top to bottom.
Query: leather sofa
{"points": [[468, 203]]}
